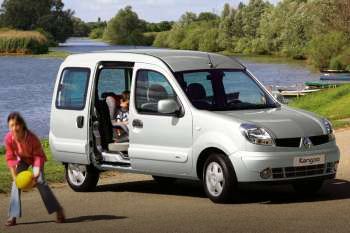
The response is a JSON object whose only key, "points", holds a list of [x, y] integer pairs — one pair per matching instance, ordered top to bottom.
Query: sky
{"points": [[149, 10]]}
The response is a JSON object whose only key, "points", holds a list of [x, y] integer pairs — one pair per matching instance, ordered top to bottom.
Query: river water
{"points": [[26, 83]]}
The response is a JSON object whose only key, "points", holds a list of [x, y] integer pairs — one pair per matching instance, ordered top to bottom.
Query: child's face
{"points": [[124, 104]]}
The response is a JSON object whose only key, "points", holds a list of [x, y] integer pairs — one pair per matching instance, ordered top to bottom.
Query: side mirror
{"points": [[280, 98], [169, 106]]}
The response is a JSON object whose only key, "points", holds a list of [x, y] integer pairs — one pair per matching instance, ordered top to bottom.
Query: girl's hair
{"points": [[18, 118]]}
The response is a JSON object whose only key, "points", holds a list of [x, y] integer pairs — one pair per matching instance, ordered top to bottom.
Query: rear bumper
{"points": [[249, 165]]}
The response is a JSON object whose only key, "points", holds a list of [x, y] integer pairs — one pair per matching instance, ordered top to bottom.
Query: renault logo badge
{"points": [[306, 142]]}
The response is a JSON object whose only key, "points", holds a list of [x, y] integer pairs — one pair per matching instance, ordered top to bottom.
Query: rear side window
{"points": [[113, 81], [72, 89]]}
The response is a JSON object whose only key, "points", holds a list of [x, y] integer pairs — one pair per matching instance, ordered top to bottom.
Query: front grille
{"points": [[318, 140], [287, 142], [295, 142], [291, 172]]}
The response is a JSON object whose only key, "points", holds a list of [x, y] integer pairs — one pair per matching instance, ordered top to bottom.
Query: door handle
{"points": [[80, 121], [137, 123]]}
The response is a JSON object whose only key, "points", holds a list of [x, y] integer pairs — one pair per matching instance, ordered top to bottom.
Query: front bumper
{"points": [[248, 165]]}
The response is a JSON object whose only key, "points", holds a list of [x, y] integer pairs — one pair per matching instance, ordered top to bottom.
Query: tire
{"points": [[81, 178], [219, 178], [164, 180], [308, 187]]}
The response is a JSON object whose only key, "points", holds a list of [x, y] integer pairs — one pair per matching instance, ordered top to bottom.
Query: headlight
{"points": [[329, 128], [256, 135]]}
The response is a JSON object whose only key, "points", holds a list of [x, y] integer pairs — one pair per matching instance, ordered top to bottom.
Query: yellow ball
{"points": [[24, 180]]}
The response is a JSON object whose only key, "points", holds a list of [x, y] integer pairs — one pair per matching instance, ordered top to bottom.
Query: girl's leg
{"points": [[47, 195], [15, 210]]}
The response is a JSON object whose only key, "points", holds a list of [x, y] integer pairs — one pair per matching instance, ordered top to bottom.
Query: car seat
{"points": [[155, 92], [197, 95]]}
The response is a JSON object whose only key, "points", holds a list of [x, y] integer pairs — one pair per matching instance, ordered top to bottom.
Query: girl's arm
{"points": [[13, 173]]}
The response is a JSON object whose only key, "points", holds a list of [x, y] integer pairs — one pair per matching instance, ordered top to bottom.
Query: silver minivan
{"points": [[192, 115]]}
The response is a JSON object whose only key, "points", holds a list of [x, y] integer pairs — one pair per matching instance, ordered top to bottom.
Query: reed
{"points": [[22, 42]]}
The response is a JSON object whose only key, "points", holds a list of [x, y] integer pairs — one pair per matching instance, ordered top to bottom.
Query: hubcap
{"points": [[76, 174], [214, 179]]}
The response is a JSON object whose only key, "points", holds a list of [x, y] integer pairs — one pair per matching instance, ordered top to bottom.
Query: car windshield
{"points": [[223, 90]]}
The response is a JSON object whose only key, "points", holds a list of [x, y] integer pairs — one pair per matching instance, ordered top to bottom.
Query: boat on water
{"points": [[335, 75], [322, 84], [297, 93]]}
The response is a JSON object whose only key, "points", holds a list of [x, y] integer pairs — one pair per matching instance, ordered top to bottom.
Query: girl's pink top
{"points": [[29, 151]]}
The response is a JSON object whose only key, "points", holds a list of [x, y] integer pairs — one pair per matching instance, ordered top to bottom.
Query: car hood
{"points": [[283, 122]]}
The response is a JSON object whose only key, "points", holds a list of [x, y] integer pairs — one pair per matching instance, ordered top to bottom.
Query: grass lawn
{"points": [[53, 54], [332, 103], [54, 171]]}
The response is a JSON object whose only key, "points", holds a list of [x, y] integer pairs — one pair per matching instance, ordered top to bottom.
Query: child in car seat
{"points": [[120, 121]]}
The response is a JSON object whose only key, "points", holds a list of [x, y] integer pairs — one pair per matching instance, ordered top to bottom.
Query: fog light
{"points": [[266, 173]]}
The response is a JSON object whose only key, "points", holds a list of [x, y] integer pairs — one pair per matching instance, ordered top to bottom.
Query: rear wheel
{"points": [[82, 178], [219, 178], [164, 180], [308, 187]]}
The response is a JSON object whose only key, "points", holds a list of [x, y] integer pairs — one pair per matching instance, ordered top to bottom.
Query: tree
{"points": [[24, 14], [32, 14], [207, 16], [187, 18], [58, 23], [80, 28], [125, 28]]}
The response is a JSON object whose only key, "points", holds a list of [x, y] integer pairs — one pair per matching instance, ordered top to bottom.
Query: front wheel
{"points": [[81, 178], [219, 178]]}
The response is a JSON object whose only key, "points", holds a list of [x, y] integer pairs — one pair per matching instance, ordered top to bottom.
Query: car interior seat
{"points": [[155, 92], [197, 95]]}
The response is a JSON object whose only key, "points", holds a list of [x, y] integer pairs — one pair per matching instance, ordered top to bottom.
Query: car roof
{"points": [[176, 60], [185, 60]]}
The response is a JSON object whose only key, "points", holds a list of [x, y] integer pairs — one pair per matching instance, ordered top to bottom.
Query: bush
{"points": [[97, 33], [149, 37], [192, 39], [161, 40], [23, 42], [209, 42], [323, 48], [342, 61], [335, 64]]}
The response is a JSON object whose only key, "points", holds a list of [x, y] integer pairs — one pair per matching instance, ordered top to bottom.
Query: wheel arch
{"points": [[202, 158]]}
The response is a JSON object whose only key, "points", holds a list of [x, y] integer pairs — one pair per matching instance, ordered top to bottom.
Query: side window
{"points": [[113, 80], [151, 87], [72, 89]]}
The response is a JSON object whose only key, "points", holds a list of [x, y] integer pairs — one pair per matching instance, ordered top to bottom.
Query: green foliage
{"points": [[46, 14], [159, 27], [80, 28], [125, 28], [317, 30], [97, 33], [149, 37], [161, 39], [22, 42], [209, 42], [322, 48], [335, 64], [331, 103]]}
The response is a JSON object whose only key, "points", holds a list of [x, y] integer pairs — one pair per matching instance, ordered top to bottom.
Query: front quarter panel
{"points": [[212, 130]]}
